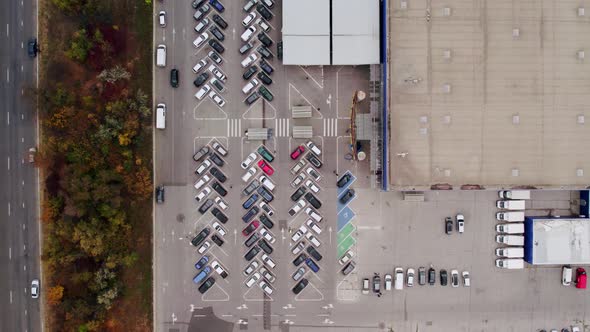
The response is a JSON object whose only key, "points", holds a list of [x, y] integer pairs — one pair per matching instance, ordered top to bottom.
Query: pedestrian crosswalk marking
{"points": [[234, 127], [282, 127], [330, 127]]}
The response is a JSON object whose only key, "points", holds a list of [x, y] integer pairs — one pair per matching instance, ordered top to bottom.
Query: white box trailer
{"points": [[161, 56], [161, 116], [514, 194], [511, 205], [510, 216], [517, 228], [511, 240], [510, 252], [510, 263]]}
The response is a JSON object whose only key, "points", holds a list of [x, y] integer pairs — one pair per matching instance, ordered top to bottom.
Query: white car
{"points": [[162, 19], [249, 19], [202, 25], [263, 25], [248, 33], [201, 39], [249, 60], [200, 65], [217, 73], [250, 85], [203, 92], [217, 99], [219, 148], [314, 148], [249, 160], [203, 167], [249, 174], [313, 174], [298, 180], [202, 181], [265, 181], [311, 186], [204, 193], [222, 204], [297, 207], [266, 208], [313, 214], [460, 223], [314, 227], [219, 229], [299, 234], [266, 235], [314, 240], [204, 247], [298, 248], [346, 257], [268, 261], [251, 267], [219, 269], [299, 273], [410, 274], [267, 275], [399, 278], [253, 279], [466, 279], [388, 280], [265, 287], [35, 288]]}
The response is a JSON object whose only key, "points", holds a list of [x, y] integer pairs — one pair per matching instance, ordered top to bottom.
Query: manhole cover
{"points": [[180, 217]]}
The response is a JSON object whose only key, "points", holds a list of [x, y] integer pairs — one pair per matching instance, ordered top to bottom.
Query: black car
{"points": [[198, 3], [264, 12], [220, 21], [217, 33], [264, 39], [216, 46], [32, 47], [246, 47], [280, 50], [265, 52], [266, 67], [249, 72], [174, 78], [264, 78], [201, 79], [217, 84], [265, 93], [252, 98], [201, 153], [216, 159], [315, 161], [217, 174], [343, 181], [250, 188], [219, 189], [298, 193], [160, 194], [266, 195], [347, 196], [313, 200], [250, 201], [205, 206], [250, 214], [219, 215], [265, 220], [448, 225], [252, 239], [197, 240], [218, 241], [265, 246], [252, 253], [314, 253], [300, 259], [348, 268], [431, 276], [444, 277], [206, 285], [300, 286]]}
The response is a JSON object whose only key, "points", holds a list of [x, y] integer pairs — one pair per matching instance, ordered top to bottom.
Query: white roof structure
{"points": [[310, 38], [560, 241]]}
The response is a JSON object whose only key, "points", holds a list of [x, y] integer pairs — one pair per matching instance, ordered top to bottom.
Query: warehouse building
{"points": [[557, 241]]}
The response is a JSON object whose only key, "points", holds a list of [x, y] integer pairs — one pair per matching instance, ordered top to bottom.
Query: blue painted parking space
{"points": [[341, 190], [341, 206], [344, 217]]}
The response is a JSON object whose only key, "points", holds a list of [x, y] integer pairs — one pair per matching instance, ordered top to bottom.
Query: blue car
{"points": [[218, 6], [250, 201], [199, 265], [312, 265], [202, 275]]}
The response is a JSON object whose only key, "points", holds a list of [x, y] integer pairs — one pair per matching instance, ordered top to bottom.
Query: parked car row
{"points": [[460, 224], [424, 276]]}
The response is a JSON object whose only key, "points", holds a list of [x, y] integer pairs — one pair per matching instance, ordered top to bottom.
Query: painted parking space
{"points": [[341, 190], [340, 207], [344, 217], [345, 232], [345, 245]]}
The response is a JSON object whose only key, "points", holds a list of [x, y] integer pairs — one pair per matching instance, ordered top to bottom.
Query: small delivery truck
{"points": [[161, 56], [161, 116], [514, 194], [510, 205], [510, 216], [517, 228], [511, 240], [510, 252], [510, 263]]}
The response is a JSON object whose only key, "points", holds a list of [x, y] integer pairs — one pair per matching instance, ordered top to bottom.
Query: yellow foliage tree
{"points": [[55, 294]]}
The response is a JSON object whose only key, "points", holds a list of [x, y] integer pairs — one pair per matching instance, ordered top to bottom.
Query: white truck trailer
{"points": [[514, 194], [510, 205], [510, 216], [517, 228], [511, 240], [510, 252], [510, 263]]}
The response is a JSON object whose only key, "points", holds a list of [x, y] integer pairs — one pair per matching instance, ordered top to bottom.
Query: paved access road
{"points": [[19, 228]]}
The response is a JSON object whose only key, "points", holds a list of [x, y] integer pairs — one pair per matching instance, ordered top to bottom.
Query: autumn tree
{"points": [[55, 294]]}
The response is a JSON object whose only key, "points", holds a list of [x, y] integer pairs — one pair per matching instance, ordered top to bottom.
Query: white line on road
{"points": [[22, 23], [7, 29], [22, 45], [22, 68], [8, 75], [7, 118], [22, 139], [8, 163], [23, 183], [23, 205], [9, 209], [24, 226], [24, 247], [10, 253], [24, 269], [10, 296], [26, 312], [227, 315]]}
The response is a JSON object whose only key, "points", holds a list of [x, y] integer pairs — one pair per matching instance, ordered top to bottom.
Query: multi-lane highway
{"points": [[19, 226]]}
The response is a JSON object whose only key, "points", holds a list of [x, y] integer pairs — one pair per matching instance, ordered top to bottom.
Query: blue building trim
{"points": [[384, 117], [584, 197], [528, 240]]}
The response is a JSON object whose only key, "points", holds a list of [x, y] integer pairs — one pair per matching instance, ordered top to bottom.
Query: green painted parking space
{"points": [[345, 232], [345, 245]]}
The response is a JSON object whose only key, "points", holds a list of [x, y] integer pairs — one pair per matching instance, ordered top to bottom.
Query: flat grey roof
{"points": [[306, 17], [306, 50], [496, 97], [561, 241]]}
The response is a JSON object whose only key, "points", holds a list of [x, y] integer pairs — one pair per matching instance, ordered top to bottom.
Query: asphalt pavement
{"points": [[19, 227]]}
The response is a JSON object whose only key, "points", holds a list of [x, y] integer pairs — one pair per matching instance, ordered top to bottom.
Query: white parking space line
{"points": [[7, 29], [321, 86]]}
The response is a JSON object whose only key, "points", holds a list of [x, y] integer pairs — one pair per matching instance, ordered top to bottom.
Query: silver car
{"points": [[299, 273]]}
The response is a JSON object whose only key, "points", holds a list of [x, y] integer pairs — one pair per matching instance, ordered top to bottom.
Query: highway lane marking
{"points": [[22, 23], [7, 29], [22, 45], [22, 68], [8, 75], [8, 118], [22, 139], [9, 163], [23, 205], [9, 209], [24, 227], [10, 253], [24, 268], [10, 296]]}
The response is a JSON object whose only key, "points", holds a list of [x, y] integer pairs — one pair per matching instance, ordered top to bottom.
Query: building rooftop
{"points": [[558, 241]]}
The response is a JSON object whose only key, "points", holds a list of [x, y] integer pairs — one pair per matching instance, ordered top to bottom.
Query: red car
{"points": [[297, 152], [265, 167], [251, 228], [581, 278]]}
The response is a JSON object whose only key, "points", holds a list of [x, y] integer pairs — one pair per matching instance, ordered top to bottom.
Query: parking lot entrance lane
{"points": [[344, 217], [345, 245]]}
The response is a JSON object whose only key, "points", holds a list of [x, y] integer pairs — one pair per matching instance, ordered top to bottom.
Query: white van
{"points": [[161, 56], [161, 116], [267, 183], [514, 194], [510, 205], [313, 214], [510, 216], [510, 252], [566, 275], [399, 278]]}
